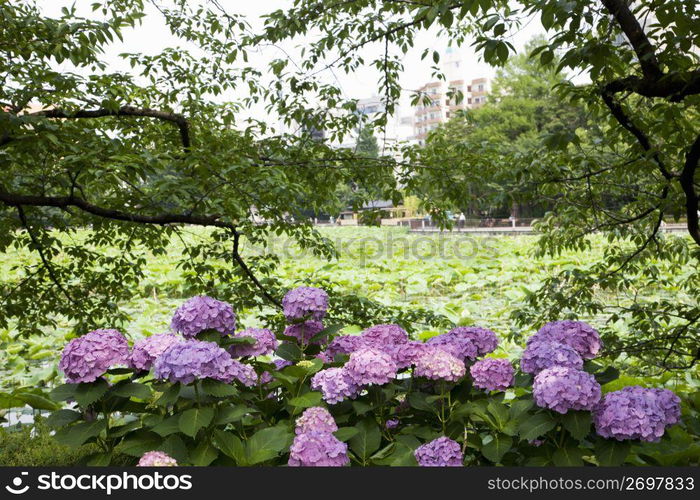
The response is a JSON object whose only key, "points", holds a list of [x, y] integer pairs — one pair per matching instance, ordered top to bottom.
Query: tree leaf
{"points": [[289, 351], [218, 389], [132, 390], [63, 392], [86, 394], [170, 395], [306, 400], [36, 401], [228, 414], [62, 418], [194, 419], [578, 423], [536, 425], [168, 426], [345, 433], [78, 434], [367, 439], [138, 443], [266, 444], [230, 445], [176, 448], [495, 449], [611, 452], [203, 454], [568, 457]]}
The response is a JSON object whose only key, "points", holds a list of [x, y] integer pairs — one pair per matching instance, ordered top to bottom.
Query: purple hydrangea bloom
{"points": [[305, 303], [203, 313], [305, 331], [577, 334], [381, 336], [484, 339], [265, 343], [343, 344], [458, 346], [145, 351], [405, 354], [539, 356], [87, 358], [194, 359], [281, 363], [438, 364], [370, 366], [245, 374], [492, 374], [265, 378], [334, 384], [562, 389], [637, 413], [315, 419], [392, 423], [318, 449], [441, 452], [156, 459]]}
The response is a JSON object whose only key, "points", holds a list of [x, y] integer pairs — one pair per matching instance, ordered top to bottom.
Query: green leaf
{"points": [[327, 332], [289, 351], [218, 389], [132, 390], [63, 392], [86, 394], [170, 395], [306, 400], [36, 401], [418, 401], [519, 407], [228, 414], [500, 414], [62, 418], [194, 419], [578, 423], [536, 425], [168, 426], [121, 430], [345, 433], [78, 434], [367, 439], [138, 443], [266, 444], [230, 445], [176, 448], [495, 449], [612, 453], [204, 454], [568, 457], [99, 460]]}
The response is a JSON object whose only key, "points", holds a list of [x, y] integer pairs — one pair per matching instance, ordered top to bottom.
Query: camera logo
{"points": [[16, 488]]}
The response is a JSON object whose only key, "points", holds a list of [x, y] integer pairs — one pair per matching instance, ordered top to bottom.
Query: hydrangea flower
{"points": [[305, 303], [203, 313], [305, 331], [577, 334], [384, 335], [483, 339], [265, 343], [343, 344], [459, 347], [146, 350], [405, 354], [539, 356], [86, 358], [194, 359], [281, 363], [438, 364], [370, 366], [245, 374], [492, 374], [334, 384], [562, 389], [636, 413], [315, 419], [392, 423], [318, 449], [441, 452], [156, 459]]}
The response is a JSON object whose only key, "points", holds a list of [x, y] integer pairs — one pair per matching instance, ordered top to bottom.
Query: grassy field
{"points": [[470, 279]]}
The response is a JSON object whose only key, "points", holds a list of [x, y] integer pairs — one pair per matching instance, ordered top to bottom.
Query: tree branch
{"points": [[175, 118], [686, 180], [18, 200], [237, 257]]}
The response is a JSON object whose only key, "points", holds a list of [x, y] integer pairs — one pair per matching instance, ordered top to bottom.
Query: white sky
{"points": [[153, 35]]}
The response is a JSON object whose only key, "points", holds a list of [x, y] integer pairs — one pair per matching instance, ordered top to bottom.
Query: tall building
{"points": [[442, 102]]}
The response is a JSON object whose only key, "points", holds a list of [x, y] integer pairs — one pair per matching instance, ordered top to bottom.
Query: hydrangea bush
{"points": [[309, 395]]}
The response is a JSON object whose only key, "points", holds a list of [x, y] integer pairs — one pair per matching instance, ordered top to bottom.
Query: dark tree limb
{"points": [[674, 87], [174, 118], [686, 180], [18, 200], [40, 250], [237, 257]]}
